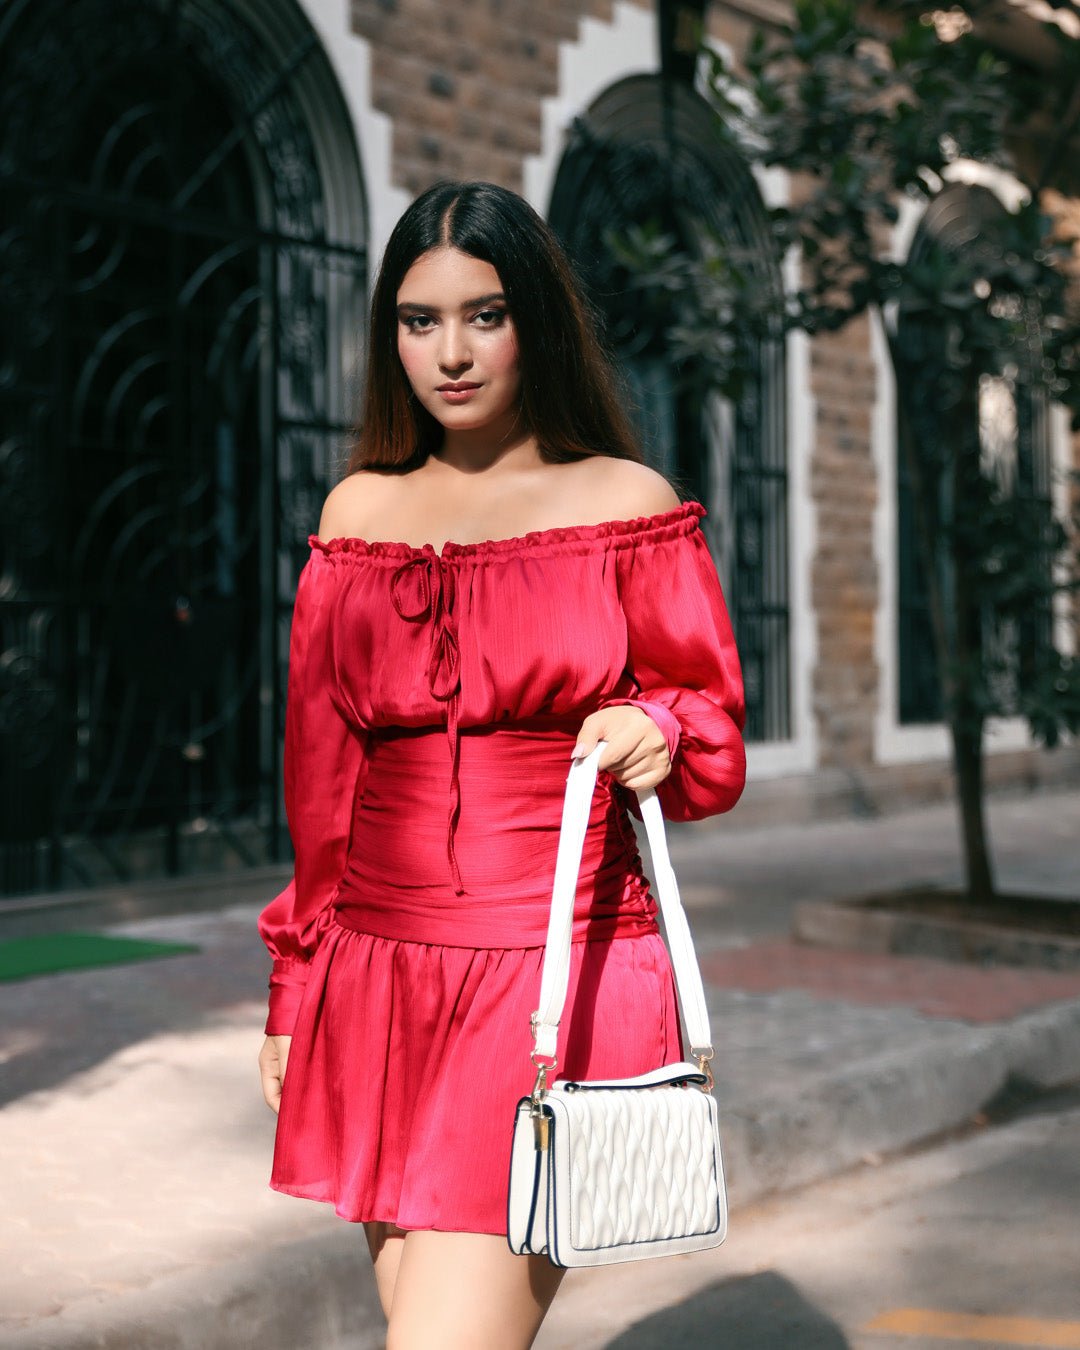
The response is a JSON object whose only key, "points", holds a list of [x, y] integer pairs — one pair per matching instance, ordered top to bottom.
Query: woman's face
{"points": [[454, 328]]}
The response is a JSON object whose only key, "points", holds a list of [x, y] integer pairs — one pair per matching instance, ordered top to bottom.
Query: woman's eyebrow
{"points": [[466, 304]]}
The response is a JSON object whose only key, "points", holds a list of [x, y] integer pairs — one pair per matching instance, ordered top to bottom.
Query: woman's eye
{"points": [[496, 314], [415, 319]]}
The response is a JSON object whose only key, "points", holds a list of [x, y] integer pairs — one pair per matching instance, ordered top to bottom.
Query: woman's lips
{"points": [[458, 395]]}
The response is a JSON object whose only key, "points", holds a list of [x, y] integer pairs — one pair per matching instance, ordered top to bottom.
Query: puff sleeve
{"points": [[684, 668], [324, 758]]}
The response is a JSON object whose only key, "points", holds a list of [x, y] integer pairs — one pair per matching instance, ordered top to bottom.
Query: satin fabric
{"points": [[433, 703]]}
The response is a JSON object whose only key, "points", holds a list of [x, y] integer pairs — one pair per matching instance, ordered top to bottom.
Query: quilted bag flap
{"points": [[621, 1159]]}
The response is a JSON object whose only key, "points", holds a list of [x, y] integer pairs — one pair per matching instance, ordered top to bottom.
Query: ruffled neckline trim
{"points": [[641, 529]]}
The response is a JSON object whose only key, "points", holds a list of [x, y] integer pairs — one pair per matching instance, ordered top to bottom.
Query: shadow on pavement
{"points": [[58, 1025], [765, 1311]]}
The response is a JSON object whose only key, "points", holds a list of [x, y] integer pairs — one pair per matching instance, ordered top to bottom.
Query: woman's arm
{"points": [[684, 673], [323, 770]]}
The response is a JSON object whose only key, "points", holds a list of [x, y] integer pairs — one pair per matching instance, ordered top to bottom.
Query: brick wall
{"points": [[463, 82], [844, 579]]}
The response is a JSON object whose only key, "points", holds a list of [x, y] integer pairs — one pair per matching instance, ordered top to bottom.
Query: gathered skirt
{"points": [[411, 1046]]}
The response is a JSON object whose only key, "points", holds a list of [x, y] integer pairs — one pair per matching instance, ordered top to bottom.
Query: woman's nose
{"points": [[453, 347]]}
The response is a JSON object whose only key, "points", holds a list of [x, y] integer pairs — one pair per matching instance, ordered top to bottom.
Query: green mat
{"points": [[44, 954]]}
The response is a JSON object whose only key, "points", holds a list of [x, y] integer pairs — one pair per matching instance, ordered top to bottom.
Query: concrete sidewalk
{"points": [[135, 1145]]}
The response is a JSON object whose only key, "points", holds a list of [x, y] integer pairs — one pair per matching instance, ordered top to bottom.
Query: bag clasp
{"points": [[703, 1054]]}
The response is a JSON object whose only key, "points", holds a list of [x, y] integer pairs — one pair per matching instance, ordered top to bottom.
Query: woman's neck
{"points": [[469, 453]]}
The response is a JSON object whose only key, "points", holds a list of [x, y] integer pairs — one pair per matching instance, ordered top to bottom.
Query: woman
{"points": [[498, 582]]}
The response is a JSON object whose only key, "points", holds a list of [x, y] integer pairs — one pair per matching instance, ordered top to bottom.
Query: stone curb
{"points": [[854, 925], [896, 1100], [320, 1292]]}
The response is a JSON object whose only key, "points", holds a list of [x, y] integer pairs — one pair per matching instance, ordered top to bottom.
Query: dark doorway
{"points": [[170, 407]]}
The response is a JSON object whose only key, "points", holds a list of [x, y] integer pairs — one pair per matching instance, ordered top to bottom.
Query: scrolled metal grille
{"points": [[173, 403]]}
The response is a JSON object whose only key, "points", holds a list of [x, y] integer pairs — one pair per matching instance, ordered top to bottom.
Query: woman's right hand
{"points": [[273, 1057]]}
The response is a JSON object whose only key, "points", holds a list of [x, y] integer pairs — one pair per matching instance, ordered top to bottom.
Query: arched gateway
{"points": [[183, 268]]}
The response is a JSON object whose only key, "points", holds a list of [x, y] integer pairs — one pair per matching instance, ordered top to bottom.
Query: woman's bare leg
{"points": [[385, 1241], [468, 1291]]}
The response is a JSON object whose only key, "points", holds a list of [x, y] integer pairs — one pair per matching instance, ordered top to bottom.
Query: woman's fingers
{"points": [[634, 744], [635, 753], [639, 769], [636, 781], [283, 1043], [273, 1058], [271, 1085]]}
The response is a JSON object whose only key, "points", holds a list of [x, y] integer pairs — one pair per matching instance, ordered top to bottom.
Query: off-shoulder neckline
{"points": [[676, 520]]}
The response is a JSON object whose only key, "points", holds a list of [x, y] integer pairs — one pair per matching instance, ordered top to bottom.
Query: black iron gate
{"points": [[645, 153], [175, 309]]}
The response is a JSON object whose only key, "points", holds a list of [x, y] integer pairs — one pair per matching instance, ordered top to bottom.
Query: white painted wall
{"points": [[602, 54], [350, 57], [1065, 625]]}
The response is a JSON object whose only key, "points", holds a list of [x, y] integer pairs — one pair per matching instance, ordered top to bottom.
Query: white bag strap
{"points": [[555, 976]]}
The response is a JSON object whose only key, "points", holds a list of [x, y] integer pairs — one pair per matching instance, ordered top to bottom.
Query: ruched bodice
{"points": [[434, 699], [395, 880]]}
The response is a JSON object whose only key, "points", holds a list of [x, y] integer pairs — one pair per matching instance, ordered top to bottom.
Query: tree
{"points": [[870, 111]]}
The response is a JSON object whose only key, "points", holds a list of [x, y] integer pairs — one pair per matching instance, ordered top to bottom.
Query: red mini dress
{"points": [[433, 703]]}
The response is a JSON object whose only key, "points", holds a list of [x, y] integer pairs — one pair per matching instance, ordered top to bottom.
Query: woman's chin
{"points": [[466, 419]]}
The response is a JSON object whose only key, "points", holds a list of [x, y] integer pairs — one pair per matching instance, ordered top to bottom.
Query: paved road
{"points": [[134, 1143], [972, 1244]]}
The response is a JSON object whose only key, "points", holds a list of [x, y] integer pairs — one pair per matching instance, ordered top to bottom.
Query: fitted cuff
{"points": [[288, 980]]}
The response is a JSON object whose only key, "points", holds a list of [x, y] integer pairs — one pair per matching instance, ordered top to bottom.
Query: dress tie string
{"points": [[423, 588]]}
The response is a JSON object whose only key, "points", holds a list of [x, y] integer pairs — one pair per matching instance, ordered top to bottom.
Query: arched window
{"points": [[633, 157], [182, 264], [1006, 419]]}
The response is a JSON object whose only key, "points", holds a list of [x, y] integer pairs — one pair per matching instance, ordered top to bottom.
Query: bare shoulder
{"points": [[629, 489], [353, 505]]}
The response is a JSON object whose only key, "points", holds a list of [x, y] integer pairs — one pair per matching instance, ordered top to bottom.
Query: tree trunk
{"points": [[924, 491], [955, 626], [966, 718], [968, 764]]}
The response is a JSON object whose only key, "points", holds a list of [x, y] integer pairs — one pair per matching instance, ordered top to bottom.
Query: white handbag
{"points": [[626, 1168]]}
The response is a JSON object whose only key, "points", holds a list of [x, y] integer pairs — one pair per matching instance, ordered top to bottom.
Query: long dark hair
{"points": [[569, 394]]}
